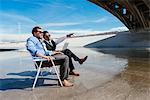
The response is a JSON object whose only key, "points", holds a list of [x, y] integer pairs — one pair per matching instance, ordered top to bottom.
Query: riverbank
{"points": [[104, 76]]}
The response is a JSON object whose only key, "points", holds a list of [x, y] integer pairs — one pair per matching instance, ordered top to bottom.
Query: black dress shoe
{"points": [[83, 60], [74, 73]]}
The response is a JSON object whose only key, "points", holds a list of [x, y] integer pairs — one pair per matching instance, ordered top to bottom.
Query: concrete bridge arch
{"points": [[135, 14]]}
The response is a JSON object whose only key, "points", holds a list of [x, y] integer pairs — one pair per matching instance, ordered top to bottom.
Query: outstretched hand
{"points": [[70, 35]]}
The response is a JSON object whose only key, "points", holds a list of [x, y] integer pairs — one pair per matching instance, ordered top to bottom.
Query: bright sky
{"points": [[57, 16]]}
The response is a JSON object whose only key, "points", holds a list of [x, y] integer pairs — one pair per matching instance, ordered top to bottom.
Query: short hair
{"points": [[35, 29], [44, 32]]}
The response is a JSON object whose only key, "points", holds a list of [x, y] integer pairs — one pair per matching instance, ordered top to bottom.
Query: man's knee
{"points": [[67, 52], [66, 57]]}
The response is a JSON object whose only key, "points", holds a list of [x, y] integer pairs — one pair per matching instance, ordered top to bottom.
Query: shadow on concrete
{"points": [[2, 50], [31, 73], [22, 83]]}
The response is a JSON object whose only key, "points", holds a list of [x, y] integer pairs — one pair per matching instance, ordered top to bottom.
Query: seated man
{"points": [[51, 45], [37, 49]]}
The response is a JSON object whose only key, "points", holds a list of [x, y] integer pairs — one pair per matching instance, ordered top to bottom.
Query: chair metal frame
{"points": [[35, 59]]}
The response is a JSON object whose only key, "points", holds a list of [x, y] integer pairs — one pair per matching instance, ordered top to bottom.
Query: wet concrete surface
{"points": [[108, 74]]}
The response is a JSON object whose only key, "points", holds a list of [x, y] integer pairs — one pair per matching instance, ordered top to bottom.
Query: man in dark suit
{"points": [[51, 45]]}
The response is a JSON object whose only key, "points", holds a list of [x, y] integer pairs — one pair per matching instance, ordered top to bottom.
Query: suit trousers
{"points": [[71, 55], [63, 61]]}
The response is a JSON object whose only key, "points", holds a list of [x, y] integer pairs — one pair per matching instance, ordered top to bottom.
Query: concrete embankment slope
{"points": [[123, 39]]}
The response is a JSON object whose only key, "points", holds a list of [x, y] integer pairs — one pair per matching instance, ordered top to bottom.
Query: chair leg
{"points": [[50, 70], [38, 72], [41, 72], [57, 73], [58, 76]]}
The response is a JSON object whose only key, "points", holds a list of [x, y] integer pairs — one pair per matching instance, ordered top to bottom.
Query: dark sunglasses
{"points": [[39, 31], [47, 35]]}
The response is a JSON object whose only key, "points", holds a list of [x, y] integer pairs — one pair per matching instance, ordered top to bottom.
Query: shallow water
{"points": [[109, 73]]}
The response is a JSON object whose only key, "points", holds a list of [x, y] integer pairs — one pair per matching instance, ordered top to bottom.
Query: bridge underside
{"points": [[135, 14]]}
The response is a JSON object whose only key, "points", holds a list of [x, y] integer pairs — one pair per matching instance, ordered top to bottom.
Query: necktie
{"points": [[50, 43], [44, 47]]}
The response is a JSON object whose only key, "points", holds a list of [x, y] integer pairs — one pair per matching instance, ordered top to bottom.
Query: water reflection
{"points": [[126, 52], [137, 71]]}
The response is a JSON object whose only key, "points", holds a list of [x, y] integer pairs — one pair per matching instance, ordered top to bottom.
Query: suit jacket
{"points": [[50, 46]]}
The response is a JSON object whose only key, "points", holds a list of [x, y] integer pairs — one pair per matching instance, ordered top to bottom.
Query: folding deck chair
{"points": [[38, 66]]}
